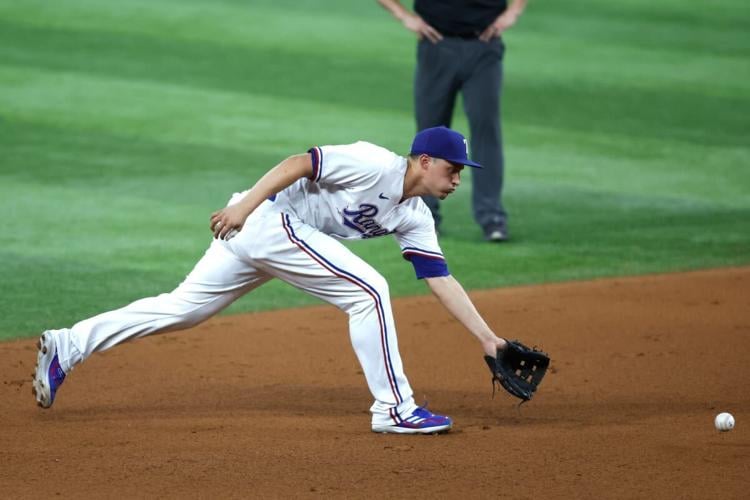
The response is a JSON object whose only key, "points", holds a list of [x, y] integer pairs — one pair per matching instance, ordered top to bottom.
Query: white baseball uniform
{"points": [[354, 193]]}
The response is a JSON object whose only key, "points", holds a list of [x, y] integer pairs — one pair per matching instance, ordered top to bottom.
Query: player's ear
{"points": [[424, 161]]}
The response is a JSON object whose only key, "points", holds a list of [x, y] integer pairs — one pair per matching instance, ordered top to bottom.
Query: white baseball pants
{"points": [[270, 245]]}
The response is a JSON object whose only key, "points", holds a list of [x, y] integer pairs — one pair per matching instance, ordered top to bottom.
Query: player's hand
{"points": [[502, 23], [422, 29], [227, 222], [490, 346]]}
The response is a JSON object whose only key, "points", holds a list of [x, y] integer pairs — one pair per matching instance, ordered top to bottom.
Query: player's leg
{"points": [[436, 85], [482, 96], [323, 267], [217, 280]]}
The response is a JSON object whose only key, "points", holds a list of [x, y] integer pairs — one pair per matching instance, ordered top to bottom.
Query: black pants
{"points": [[475, 69]]}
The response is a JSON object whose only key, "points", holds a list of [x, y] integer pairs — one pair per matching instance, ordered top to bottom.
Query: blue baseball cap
{"points": [[444, 143]]}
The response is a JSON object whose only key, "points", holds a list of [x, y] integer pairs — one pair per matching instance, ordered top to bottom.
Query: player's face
{"points": [[444, 177]]}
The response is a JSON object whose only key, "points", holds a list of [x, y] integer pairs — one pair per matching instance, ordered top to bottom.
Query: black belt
{"points": [[465, 36]]}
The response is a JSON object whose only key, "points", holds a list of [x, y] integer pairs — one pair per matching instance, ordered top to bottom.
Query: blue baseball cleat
{"points": [[48, 376], [421, 421]]}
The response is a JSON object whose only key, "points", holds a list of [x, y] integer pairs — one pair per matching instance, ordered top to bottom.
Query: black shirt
{"points": [[465, 18]]}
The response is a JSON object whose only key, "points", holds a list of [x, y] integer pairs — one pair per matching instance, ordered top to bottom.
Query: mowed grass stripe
{"points": [[272, 24], [640, 24], [646, 26], [293, 73], [188, 114], [669, 114], [65, 155], [664, 172]]}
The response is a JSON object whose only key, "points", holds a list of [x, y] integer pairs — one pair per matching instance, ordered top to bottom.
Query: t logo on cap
{"points": [[444, 143]]}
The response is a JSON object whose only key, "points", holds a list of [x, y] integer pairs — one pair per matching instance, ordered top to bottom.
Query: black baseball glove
{"points": [[518, 369]]}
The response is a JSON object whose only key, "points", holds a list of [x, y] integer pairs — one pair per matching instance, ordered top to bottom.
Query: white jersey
{"points": [[355, 192]]}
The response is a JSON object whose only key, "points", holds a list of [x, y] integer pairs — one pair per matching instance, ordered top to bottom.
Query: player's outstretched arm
{"points": [[225, 222], [454, 298]]}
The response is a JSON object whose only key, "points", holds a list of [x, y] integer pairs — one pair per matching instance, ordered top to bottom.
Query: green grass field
{"points": [[123, 125]]}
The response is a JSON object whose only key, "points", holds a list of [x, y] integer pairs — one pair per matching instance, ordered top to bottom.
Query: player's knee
{"points": [[378, 284], [374, 292], [188, 310], [192, 316], [189, 320]]}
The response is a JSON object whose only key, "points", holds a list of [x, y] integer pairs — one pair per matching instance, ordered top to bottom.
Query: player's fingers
{"points": [[488, 33], [432, 34], [215, 217], [217, 228], [227, 229], [225, 232]]}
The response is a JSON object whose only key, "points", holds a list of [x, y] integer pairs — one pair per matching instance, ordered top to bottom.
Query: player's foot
{"points": [[495, 233], [48, 376], [421, 421]]}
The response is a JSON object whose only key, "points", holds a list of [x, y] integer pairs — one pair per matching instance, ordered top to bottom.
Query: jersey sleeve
{"points": [[349, 165], [419, 244]]}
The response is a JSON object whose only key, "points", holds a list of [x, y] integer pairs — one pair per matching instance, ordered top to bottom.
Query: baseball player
{"points": [[287, 226]]}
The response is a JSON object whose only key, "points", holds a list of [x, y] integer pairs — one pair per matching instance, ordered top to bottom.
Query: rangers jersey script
{"points": [[356, 193]]}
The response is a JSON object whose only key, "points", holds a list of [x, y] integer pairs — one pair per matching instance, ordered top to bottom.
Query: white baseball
{"points": [[724, 422]]}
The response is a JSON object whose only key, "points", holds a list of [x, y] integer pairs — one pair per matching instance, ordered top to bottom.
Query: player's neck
{"points": [[412, 180]]}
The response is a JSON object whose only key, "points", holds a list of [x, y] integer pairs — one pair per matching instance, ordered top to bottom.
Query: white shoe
{"points": [[49, 375], [421, 421]]}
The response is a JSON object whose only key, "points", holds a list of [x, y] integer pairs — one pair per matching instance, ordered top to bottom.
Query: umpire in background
{"points": [[460, 50]]}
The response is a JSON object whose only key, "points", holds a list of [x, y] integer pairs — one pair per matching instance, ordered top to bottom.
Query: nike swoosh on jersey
{"points": [[382, 197]]}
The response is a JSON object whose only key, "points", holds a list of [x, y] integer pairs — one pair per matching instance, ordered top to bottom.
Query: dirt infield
{"points": [[275, 405]]}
